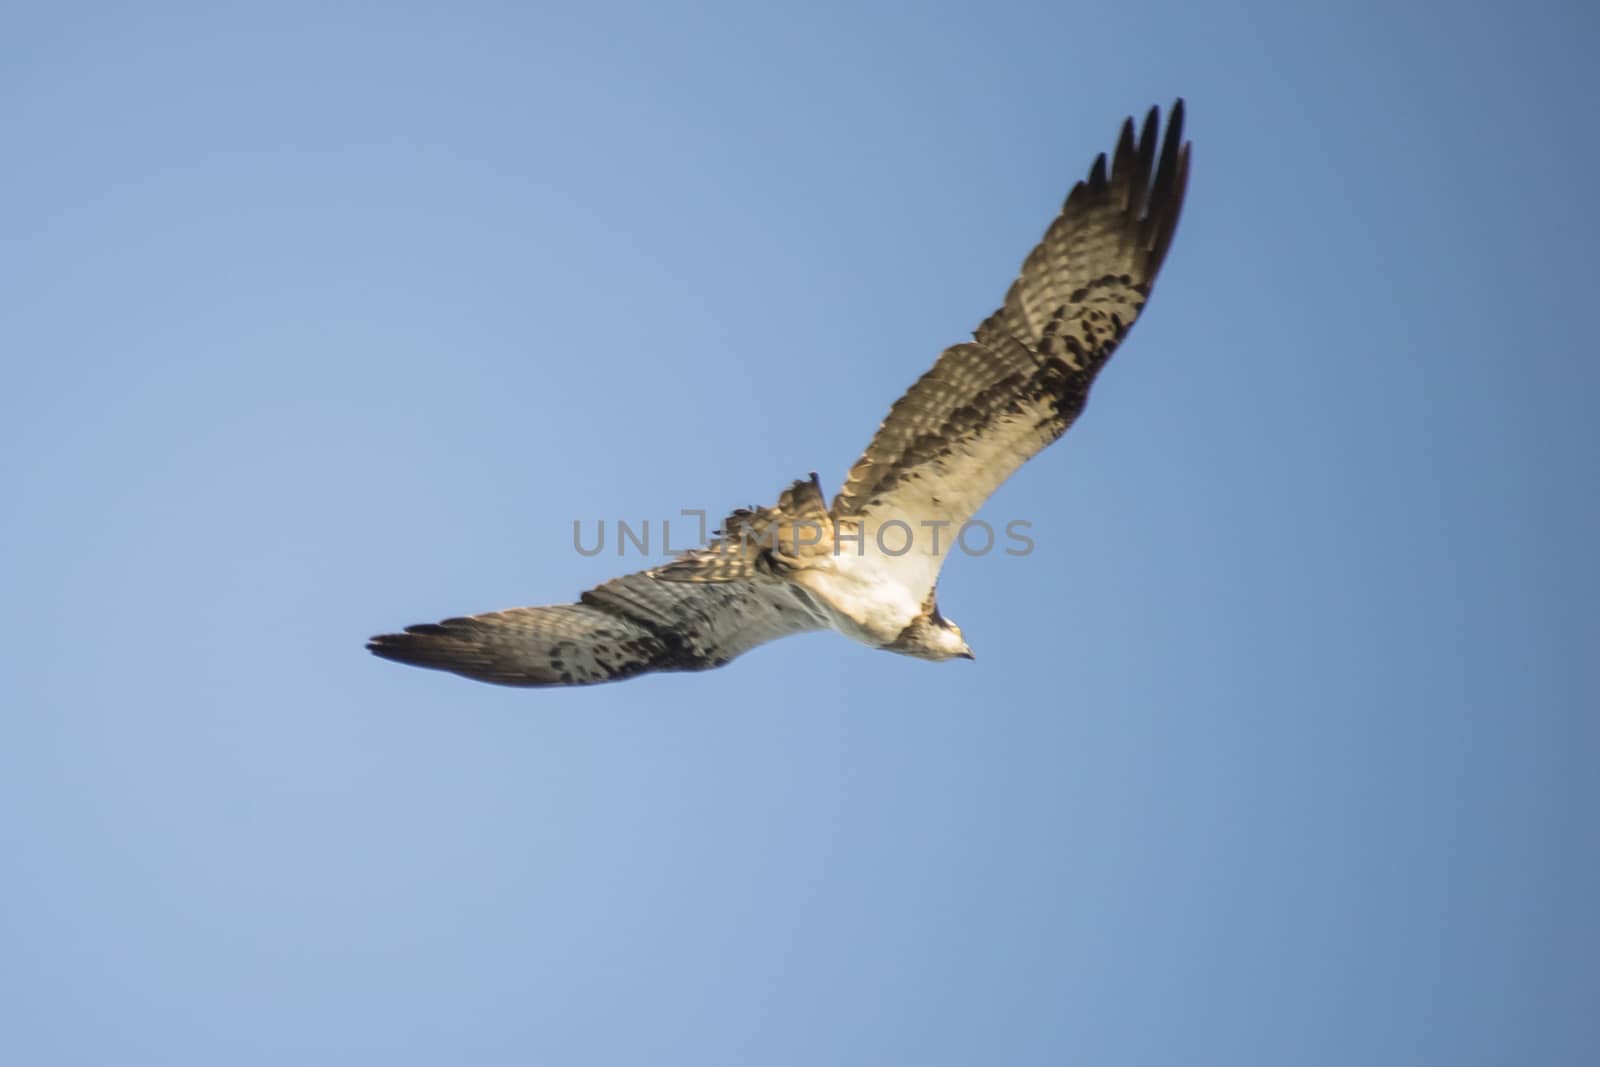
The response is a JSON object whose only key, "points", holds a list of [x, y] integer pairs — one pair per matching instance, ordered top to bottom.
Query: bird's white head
{"points": [[932, 636], [951, 644]]}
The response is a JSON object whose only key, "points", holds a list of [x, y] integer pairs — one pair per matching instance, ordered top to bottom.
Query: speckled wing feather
{"points": [[991, 404], [628, 626]]}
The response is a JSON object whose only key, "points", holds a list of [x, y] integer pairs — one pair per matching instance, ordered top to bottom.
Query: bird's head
{"points": [[932, 636], [953, 644]]}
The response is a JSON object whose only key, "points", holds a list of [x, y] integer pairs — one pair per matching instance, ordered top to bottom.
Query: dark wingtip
{"points": [[1125, 140], [1097, 173], [1168, 187], [423, 629], [428, 645], [387, 646], [410, 646]]}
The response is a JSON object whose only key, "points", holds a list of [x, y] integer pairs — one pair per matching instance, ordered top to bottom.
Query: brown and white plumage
{"points": [[990, 404], [986, 407], [624, 627]]}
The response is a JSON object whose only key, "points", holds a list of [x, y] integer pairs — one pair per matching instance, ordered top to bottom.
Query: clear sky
{"points": [[323, 319]]}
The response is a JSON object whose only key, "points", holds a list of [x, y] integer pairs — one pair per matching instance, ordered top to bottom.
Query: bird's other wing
{"points": [[993, 403], [751, 540], [628, 626]]}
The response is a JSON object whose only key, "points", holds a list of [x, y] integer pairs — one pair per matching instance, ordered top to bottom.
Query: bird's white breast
{"points": [[861, 595]]}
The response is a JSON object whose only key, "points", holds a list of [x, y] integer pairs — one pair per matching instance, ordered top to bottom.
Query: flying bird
{"points": [[986, 407]]}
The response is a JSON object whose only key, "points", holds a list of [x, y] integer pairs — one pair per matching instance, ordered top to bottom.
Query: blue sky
{"points": [[322, 319]]}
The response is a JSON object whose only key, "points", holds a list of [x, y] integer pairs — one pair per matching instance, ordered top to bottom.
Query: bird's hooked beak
{"points": [[966, 653]]}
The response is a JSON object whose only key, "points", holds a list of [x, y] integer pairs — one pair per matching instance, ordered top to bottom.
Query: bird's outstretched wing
{"points": [[993, 403], [627, 626]]}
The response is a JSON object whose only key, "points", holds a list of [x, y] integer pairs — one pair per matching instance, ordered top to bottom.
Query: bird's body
{"points": [[867, 565], [861, 598]]}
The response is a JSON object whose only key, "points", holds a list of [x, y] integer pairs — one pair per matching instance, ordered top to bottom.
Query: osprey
{"points": [[987, 406]]}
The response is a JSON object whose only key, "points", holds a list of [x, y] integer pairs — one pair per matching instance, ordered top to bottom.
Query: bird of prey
{"points": [[986, 407]]}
